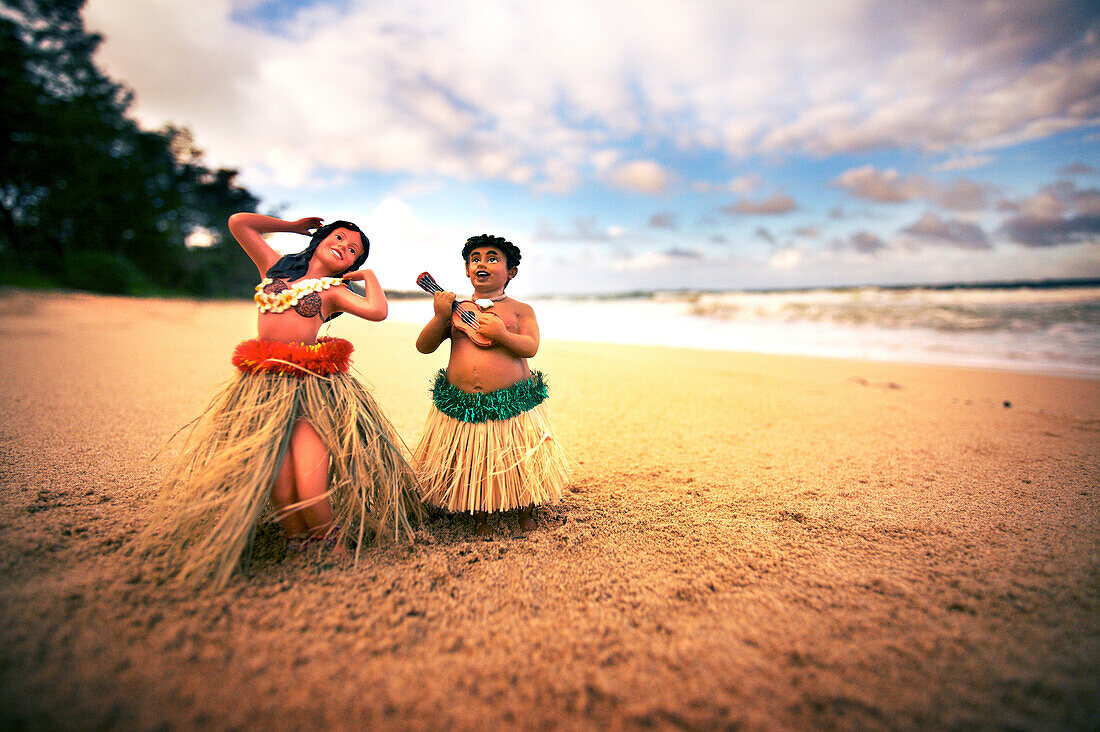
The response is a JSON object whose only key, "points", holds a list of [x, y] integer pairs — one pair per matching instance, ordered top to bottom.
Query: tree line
{"points": [[88, 199]]}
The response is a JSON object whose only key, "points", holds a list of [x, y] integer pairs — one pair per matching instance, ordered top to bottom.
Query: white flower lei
{"points": [[277, 302]]}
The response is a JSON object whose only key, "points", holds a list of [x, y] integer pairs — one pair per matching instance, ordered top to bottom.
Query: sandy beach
{"points": [[758, 542]]}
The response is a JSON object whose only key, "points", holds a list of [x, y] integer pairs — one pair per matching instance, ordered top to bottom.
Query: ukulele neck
{"points": [[429, 285]]}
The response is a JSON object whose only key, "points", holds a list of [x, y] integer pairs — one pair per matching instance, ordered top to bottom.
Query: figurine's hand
{"points": [[304, 226], [358, 274], [442, 302], [490, 326]]}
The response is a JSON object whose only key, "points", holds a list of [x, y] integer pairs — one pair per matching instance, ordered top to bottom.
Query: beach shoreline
{"points": [[1052, 331], [757, 541]]}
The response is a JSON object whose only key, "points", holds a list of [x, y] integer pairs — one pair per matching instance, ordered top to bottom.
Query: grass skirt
{"points": [[468, 461], [217, 490]]}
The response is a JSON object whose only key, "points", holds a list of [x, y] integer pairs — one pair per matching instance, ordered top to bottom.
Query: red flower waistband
{"points": [[328, 356]]}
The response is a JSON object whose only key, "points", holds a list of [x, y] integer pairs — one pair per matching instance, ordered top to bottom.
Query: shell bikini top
{"points": [[275, 296]]}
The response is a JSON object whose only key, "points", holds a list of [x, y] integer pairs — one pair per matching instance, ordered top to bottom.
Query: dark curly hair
{"points": [[510, 250], [293, 266]]}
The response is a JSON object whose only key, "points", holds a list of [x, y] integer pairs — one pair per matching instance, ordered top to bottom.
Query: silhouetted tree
{"points": [[82, 186]]}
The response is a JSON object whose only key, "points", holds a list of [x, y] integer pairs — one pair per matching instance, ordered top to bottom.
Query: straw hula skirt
{"points": [[491, 451], [218, 489]]}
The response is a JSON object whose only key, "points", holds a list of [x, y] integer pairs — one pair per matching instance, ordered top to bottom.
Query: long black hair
{"points": [[293, 266]]}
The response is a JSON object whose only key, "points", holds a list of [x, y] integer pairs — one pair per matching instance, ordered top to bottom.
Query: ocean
{"points": [[1051, 328]]}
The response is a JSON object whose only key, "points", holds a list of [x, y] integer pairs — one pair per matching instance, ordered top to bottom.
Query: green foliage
{"points": [[79, 176], [101, 272], [13, 275]]}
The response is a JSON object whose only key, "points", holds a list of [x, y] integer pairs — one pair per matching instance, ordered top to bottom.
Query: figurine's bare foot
{"points": [[526, 520], [481, 523], [329, 539], [335, 544]]}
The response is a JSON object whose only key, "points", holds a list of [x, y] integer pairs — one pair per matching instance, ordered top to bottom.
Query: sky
{"points": [[638, 145]]}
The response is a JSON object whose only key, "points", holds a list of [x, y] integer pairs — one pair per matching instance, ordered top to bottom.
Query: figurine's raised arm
{"points": [[248, 229], [372, 306]]}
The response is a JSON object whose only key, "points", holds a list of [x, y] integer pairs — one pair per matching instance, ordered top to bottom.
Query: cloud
{"points": [[1016, 73], [480, 89], [289, 102], [964, 162], [1077, 169], [641, 176], [742, 184], [880, 186], [887, 186], [962, 195], [1058, 199], [774, 205], [1058, 214], [395, 220], [665, 220], [583, 228], [932, 229], [1035, 231], [810, 232], [762, 233], [863, 242], [867, 243], [681, 253], [785, 259], [651, 260]]}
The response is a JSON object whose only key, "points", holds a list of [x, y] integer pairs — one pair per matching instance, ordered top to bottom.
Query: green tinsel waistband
{"points": [[498, 405]]}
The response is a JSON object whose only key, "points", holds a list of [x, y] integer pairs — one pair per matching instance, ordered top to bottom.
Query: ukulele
{"points": [[463, 312]]}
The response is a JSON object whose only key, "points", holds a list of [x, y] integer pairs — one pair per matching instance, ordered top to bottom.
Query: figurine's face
{"points": [[339, 249], [487, 268]]}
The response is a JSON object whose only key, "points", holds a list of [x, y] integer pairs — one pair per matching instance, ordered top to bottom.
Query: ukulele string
{"points": [[428, 283]]}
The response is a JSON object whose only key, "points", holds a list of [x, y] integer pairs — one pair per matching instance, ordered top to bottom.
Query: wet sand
{"points": [[753, 541]]}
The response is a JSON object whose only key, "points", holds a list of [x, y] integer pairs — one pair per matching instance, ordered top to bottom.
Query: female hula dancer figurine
{"points": [[293, 424], [487, 444]]}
